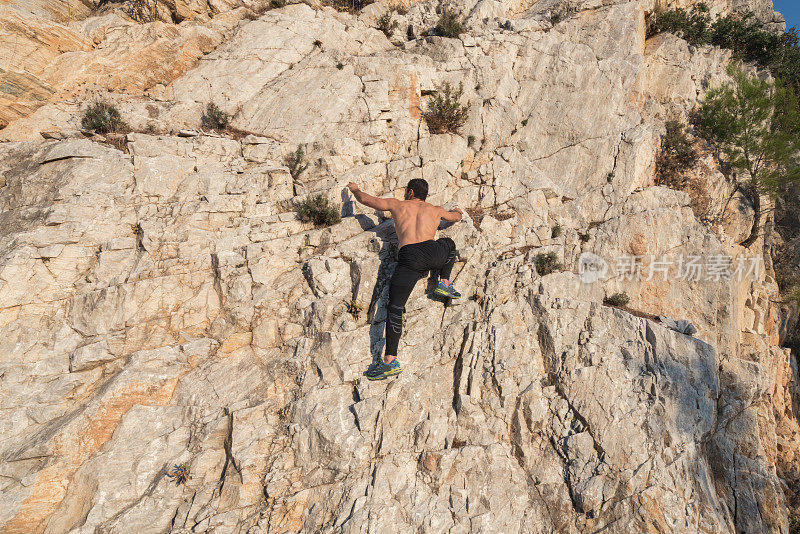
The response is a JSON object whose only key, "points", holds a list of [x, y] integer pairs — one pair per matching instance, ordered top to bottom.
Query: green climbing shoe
{"points": [[446, 291], [382, 371]]}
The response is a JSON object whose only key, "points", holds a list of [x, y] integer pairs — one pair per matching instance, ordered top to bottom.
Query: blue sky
{"points": [[790, 10]]}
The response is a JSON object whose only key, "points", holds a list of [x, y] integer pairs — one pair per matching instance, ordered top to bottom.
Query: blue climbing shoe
{"points": [[446, 291], [382, 371]]}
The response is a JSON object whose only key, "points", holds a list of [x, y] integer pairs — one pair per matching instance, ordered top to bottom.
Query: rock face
{"points": [[51, 51], [164, 307]]}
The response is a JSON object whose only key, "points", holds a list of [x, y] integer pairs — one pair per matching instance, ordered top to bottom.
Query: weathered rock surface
{"points": [[52, 60], [165, 306]]}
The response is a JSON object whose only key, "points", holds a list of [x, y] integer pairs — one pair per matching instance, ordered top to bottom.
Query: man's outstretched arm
{"points": [[381, 204], [454, 215]]}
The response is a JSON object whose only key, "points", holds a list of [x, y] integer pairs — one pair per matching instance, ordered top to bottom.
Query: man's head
{"points": [[417, 189]]}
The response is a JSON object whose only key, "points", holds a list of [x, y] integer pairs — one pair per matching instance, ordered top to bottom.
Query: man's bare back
{"points": [[415, 220]]}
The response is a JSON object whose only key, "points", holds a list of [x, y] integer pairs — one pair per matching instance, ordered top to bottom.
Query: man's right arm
{"points": [[381, 204], [454, 215]]}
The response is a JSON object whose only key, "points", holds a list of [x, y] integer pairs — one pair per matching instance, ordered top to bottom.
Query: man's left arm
{"points": [[454, 215]]}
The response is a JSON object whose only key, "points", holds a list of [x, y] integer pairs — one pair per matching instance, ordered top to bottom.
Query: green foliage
{"points": [[351, 6], [141, 11], [559, 13], [386, 24], [449, 24], [694, 25], [743, 34], [778, 52], [445, 112], [102, 117], [215, 118], [754, 126], [470, 140], [296, 161], [319, 210], [557, 231], [547, 263], [787, 274], [620, 300], [354, 308], [283, 413], [794, 524]]}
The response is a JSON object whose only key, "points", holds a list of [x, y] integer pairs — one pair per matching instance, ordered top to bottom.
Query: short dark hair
{"points": [[419, 187]]}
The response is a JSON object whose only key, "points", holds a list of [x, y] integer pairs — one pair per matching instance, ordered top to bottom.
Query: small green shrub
{"points": [[351, 6], [141, 11], [559, 13], [386, 24], [449, 25], [694, 25], [340, 65], [445, 112], [102, 117], [214, 118], [470, 140], [296, 161], [318, 210], [557, 231], [547, 263], [787, 274], [620, 300], [355, 308], [283, 413], [794, 524]]}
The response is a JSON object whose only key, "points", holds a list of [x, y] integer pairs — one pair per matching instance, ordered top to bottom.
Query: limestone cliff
{"points": [[162, 305]]}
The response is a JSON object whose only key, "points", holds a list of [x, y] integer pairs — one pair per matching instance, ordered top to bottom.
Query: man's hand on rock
{"points": [[353, 187]]}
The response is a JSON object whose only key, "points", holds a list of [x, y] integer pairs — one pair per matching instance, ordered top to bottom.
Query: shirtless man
{"points": [[415, 222]]}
